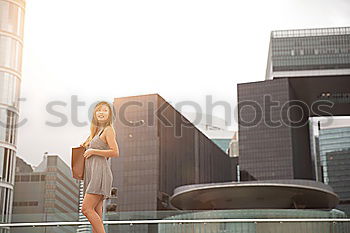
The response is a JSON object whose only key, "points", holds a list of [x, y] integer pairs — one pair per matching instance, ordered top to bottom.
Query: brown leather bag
{"points": [[78, 162]]}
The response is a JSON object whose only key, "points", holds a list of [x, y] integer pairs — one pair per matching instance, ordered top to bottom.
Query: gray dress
{"points": [[97, 173]]}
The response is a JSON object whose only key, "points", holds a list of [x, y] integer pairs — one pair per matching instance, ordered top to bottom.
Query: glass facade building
{"points": [[11, 35], [309, 52], [332, 139], [334, 144], [338, 163]]}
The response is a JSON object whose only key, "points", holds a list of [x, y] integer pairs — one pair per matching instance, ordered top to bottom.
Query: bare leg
{"points": [[89, 203], [99, 210]]}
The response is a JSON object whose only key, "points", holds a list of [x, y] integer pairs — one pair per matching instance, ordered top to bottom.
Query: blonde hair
{"points": [[95, 124]]}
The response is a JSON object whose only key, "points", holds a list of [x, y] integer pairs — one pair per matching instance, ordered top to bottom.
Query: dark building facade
{"points": [[307, 74], [273, 131], [159, 151], [164, 152], [338, 164]]}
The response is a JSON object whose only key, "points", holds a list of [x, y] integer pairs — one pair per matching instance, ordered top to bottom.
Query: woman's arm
{"points": [[114, 149], [105, 153]]}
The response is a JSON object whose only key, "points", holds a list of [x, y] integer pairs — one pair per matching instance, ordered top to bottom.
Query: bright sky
{"points": [[182, 50]]}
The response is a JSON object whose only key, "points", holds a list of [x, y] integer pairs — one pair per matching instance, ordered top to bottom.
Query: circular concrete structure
{"points": [[271, 194]]}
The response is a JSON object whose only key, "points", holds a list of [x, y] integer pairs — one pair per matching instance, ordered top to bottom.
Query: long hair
{"points": [[95, 124]]}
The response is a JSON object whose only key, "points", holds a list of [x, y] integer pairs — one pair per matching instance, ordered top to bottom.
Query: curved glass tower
{"points": [[11, 35]]}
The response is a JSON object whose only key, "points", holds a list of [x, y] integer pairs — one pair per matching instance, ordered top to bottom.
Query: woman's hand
{"points": [[88, 153]]}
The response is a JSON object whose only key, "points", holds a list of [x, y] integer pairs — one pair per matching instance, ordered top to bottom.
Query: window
{"points": [[25, 178]]}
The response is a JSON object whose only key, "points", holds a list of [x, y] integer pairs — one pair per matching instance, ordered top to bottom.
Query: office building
{"points": [[11, 44], [309, 52], [273, 115], [274, 137], [332, 138], [160, 150], [338, 163], [48, 193]]}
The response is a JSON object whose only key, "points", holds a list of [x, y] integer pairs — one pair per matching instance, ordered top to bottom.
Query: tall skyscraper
{"points": [[11, 42], [309, 52], [274, 134]]}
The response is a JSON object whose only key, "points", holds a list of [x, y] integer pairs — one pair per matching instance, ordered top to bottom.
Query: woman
{"points": [[101, 145]]}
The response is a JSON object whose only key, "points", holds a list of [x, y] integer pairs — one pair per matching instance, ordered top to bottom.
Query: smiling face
{"points": [[102, 113], [101, 118]]}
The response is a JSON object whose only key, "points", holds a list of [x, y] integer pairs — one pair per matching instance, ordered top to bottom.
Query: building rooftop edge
{"points": [[324, 31]]}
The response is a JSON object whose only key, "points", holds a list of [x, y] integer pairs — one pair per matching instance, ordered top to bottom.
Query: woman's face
{"points": [[102, 113]]}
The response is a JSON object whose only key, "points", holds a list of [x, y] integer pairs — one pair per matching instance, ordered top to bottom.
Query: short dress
{"points": [[98, 176]]}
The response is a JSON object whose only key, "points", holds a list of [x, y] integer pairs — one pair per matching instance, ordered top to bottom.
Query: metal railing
{"points": [[159, 221], [213, 221]]}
